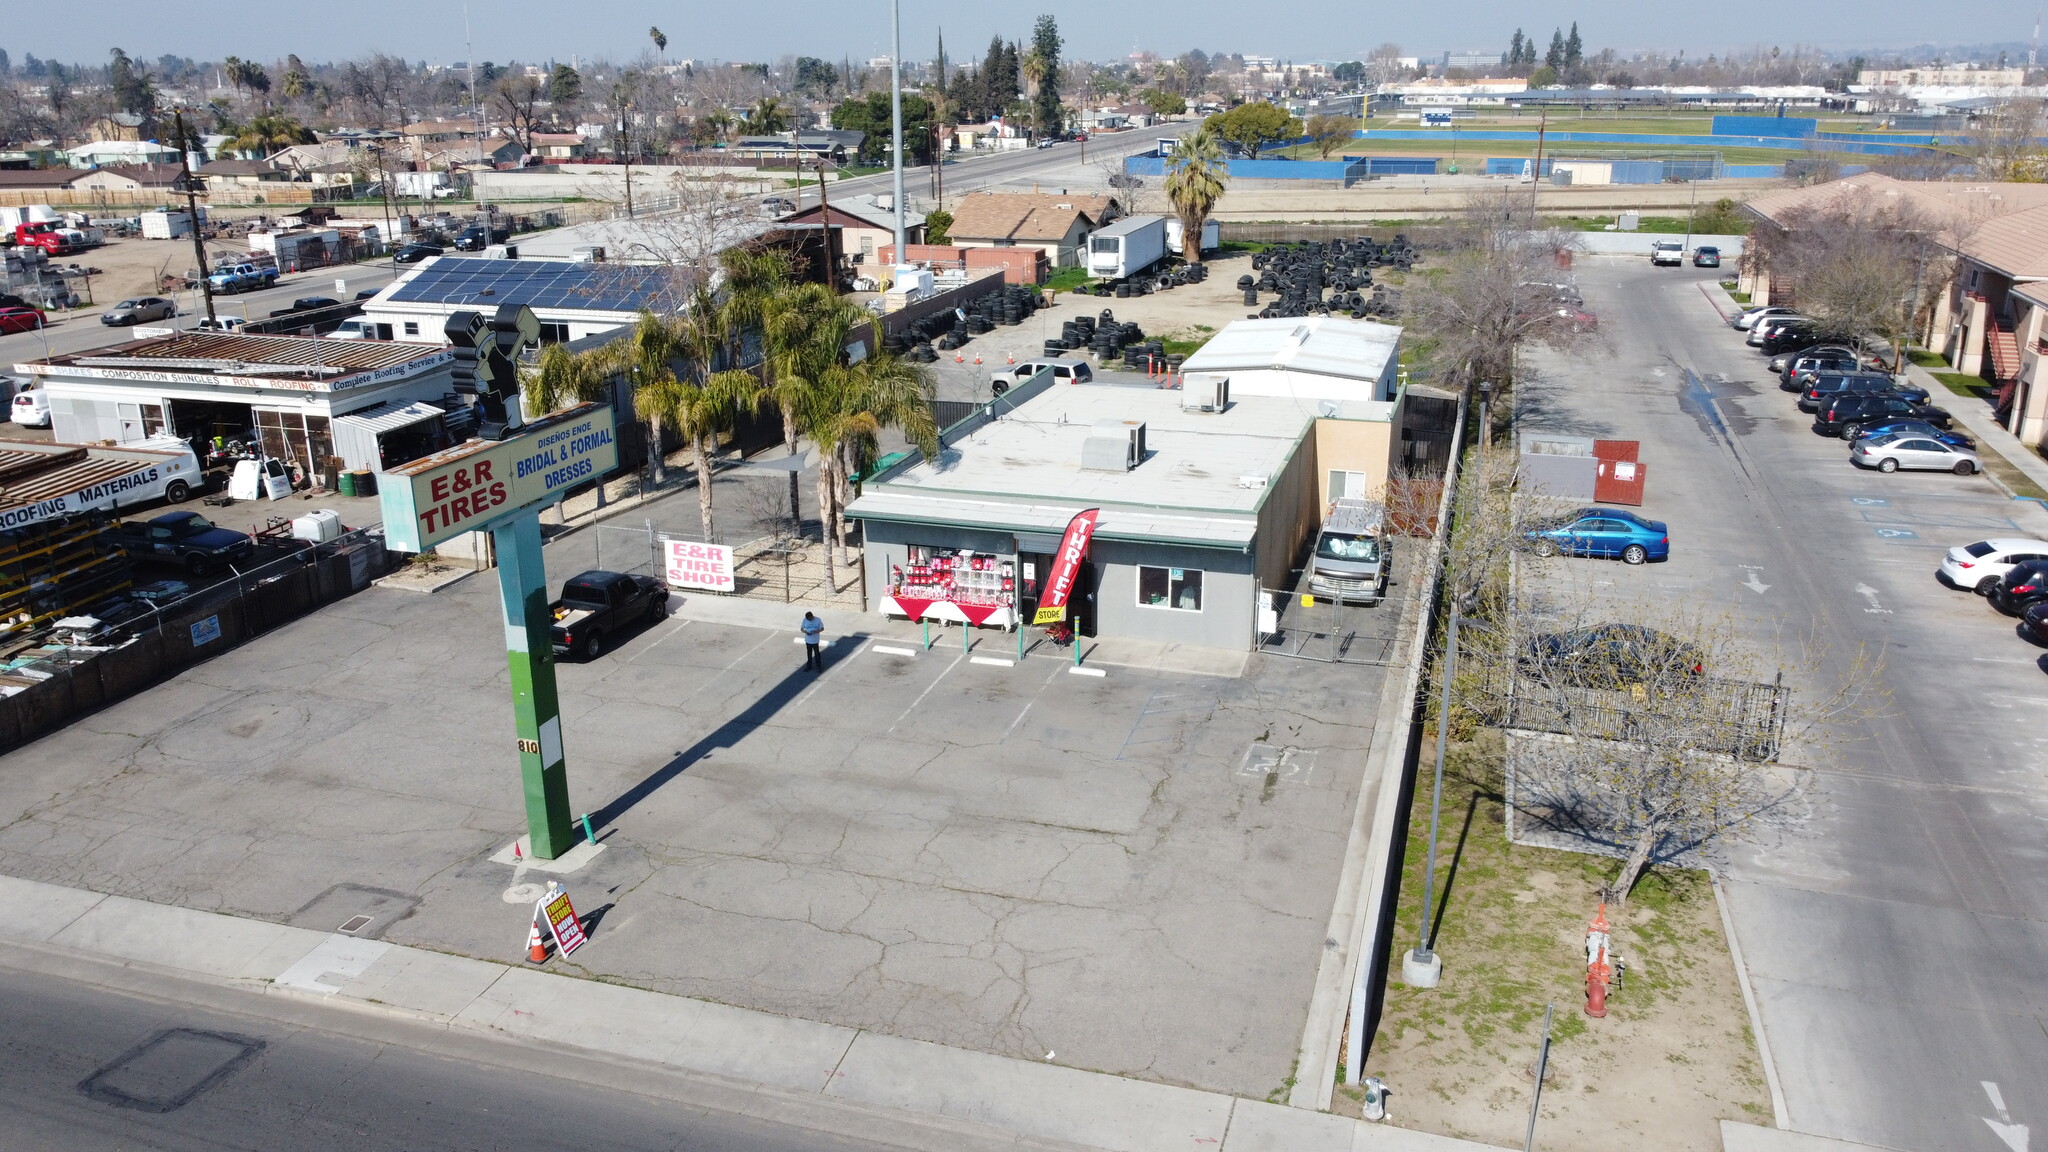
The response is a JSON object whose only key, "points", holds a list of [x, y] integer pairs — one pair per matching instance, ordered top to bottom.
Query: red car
{"points": [[20, 320]]}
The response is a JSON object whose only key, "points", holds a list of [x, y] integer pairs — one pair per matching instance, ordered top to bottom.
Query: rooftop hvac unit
{"points": [[588, 254], [1205, 393], [1114, 446]]}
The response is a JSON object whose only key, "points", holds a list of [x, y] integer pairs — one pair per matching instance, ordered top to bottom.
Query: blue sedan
{"points": [[1916, 428], [1604, 532]]}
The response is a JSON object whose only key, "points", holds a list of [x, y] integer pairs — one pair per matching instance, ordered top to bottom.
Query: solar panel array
{"points": [[540, 284]]}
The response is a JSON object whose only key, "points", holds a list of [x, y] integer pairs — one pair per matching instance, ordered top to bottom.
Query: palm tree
{"points": [[660, 40], [232, 71], [767, 117], [721, 123], [265, 133], [1195, 175], [803, 332], [649, 354], [562, 378], [845, 422]]}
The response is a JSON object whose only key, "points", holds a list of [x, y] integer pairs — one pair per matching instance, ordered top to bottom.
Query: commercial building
{"points": [[571, 299], [1302, 358], [288, 393], [1208, 498]]}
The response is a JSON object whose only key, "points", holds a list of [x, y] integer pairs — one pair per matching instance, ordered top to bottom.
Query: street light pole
{"points": [[896, 117], [1422, 967]]}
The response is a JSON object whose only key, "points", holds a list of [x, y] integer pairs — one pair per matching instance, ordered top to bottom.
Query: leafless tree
{"points": [[518, 99], [2004, 145], [1134, 195], [1859, 266], [1493, 292]]}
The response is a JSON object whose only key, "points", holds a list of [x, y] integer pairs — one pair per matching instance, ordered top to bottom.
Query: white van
{"points": [[32, 409], [176, 480]]}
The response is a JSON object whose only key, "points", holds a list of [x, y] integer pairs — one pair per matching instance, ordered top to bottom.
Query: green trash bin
{"points": [[348, 484]]}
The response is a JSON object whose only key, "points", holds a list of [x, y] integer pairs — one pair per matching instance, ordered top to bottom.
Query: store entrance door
{"points": [[1031, 570]]}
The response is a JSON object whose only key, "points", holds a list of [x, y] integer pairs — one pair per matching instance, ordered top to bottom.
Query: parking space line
{"points": [[680, 625], [892, 650], [834, 667], [928, 690], [1028, 703]]}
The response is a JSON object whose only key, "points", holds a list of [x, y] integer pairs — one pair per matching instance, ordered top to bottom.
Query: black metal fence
{"points": [[1741, 718]]}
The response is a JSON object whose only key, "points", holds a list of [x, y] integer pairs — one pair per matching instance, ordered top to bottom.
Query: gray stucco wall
{"points": [[1229, 586]]}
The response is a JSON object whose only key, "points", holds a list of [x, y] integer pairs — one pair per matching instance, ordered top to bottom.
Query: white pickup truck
{"points": [[1668, 252]]}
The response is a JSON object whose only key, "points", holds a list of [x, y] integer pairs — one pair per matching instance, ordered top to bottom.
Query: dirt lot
{"points": [[1460, 1059]]}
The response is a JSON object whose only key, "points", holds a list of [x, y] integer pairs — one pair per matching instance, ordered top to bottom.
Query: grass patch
{"points": [[1242, 247], [1068, 280], [1738, 297], [1185, 341], [1926, 359], [1963, 384], [1511, 928]]}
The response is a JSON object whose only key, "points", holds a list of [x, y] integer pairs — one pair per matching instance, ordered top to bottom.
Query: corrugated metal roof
{"points": [[233, 352], [388, 416], [67, 469]]}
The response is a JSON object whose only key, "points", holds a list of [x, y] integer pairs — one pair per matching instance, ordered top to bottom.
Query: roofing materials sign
{"points": [[474, 486], [1066, 567]]}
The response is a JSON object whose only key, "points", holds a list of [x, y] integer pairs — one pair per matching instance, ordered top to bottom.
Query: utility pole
{"points": [[896, 116], [1536, 172], [186, 182], [1691, 207]]}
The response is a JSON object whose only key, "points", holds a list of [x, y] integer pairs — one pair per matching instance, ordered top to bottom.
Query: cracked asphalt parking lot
{"points": [[1015, 860]]}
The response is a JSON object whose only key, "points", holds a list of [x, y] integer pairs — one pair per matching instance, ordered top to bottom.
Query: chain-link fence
{"points": [[774, 568], [163, 626]]}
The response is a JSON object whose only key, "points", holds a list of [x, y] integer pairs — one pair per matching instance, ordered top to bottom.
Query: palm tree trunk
{"points": [[654, 461], [704, 483], [842, 496], [796, 515], [824, 518]]}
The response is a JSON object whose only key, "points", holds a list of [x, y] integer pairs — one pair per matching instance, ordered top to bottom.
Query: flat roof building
{"points": [[572, 299], [1320, 357], [284, 393], [1207, 499]]}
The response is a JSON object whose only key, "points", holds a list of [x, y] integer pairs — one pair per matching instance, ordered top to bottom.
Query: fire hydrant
{"points": [[1598, 970]]}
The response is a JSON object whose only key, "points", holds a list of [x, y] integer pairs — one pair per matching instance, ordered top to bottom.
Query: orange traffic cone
{"points": [[977, 357], [959, 358], [1012, 358], [515, 851], [536, 948]]}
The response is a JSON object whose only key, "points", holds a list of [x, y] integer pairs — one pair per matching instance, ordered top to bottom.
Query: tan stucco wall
{"points": [[1353, 446]]}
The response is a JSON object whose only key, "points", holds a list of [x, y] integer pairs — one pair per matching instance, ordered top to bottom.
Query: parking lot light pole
{"points": [[1422, 967]]}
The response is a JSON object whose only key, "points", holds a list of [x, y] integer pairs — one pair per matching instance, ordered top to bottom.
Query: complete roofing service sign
{"points": [[473, 486]]}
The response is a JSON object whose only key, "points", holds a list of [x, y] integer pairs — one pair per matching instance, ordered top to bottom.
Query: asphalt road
{"points": [[82, 329], [1895, 939], [86, 1068]]}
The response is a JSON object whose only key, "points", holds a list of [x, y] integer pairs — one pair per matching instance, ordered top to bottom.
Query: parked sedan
{"points": [[414, 253], [1706, 256], [139, 309], [1748, 317], [20, 320], [1846, 414], [1916, 427], [1915, 453], [1604, 532], [1978, 567], [2022, 588], [2034, 623], [1611, 656]]}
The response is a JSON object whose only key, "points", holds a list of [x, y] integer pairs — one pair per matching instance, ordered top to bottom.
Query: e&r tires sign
{"points": [[471, 487]]}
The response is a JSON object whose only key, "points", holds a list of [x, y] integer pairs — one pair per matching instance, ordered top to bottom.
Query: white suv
{"points": [[1668, 252]]}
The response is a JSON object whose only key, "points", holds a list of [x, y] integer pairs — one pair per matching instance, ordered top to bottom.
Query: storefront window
{"points": [[957, 576], [1179, 588]]}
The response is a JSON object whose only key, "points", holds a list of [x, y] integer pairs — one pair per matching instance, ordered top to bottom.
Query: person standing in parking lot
{"points": [[814, 631]]}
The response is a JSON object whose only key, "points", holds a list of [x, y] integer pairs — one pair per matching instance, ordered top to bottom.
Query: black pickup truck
{"points": [[186, 539], [597, 603]]}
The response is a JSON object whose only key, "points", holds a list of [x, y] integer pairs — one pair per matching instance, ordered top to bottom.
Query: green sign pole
{"points": [[536, 712]]}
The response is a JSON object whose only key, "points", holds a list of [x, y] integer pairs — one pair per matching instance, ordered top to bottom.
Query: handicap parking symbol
{"points": [[1870, 501], [1898, 534]]}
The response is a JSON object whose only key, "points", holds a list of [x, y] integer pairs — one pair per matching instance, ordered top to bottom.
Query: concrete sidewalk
{"points": [[1976, 416], [1018, 1102]]}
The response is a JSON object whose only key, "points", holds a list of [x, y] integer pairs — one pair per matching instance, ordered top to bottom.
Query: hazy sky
{"points": [[1300, 29]]}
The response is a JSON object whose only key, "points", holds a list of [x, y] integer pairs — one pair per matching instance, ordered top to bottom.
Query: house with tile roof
{"points": [[1057, 224]]}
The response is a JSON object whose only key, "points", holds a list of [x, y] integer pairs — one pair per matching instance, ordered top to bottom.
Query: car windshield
{"points": [[128, 304], [192, 524], [1348, 546]]}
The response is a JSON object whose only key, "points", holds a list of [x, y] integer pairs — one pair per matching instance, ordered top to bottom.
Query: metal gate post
{"points": [[536, 712]]}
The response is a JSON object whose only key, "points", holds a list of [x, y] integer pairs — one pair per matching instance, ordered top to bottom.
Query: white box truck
{"points": [[164, 224], [1212, 239], [1127, 247]]}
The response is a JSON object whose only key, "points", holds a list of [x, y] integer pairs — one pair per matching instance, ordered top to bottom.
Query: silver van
{"points": [[1353, 553]]}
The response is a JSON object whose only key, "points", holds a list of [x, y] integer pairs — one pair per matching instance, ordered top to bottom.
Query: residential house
{"points": [[123, 126], [437, 135], [833, 144], [558, 147], [493, 151], [100, 153], [308, 157], [224, 174], [133, 178], [40, 179], [1057, 224], [864, 226]]}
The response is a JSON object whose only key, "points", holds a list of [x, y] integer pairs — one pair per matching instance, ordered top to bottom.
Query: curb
{"points": [[1756, 1020]]}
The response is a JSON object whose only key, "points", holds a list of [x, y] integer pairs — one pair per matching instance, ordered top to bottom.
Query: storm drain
{"points": [[169, 1070]]}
